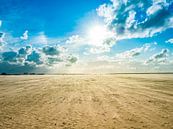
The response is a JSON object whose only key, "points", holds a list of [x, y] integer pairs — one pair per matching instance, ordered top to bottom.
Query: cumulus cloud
{"points": [[106, 11], [137, 19], [25, 35], [170, 41], [25, 50], [49, 50], [134, 52], [23, 54], [53, 55], [47, 56], [20, 57], [34, 57], [158, 58]]}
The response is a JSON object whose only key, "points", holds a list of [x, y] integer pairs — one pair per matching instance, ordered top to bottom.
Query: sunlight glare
{"points": [[97, 34]]}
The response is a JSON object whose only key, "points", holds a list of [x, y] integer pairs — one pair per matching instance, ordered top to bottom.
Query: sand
{"points": [[141, 101]]}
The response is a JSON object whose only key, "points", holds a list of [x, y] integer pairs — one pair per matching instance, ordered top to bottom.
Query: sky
{"points": [[80, 36]]}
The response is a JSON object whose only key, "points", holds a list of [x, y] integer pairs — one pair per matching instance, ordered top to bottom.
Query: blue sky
{"points": [[54, 17], [79, 36]]}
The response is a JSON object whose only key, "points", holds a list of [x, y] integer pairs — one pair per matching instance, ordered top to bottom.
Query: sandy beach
{"points": [[122, 101]]}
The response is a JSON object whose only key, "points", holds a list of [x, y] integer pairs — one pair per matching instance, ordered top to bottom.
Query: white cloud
{"points": [[159, 1], [118, 3], [154, 9], [106, 11], [121, 16], [130, 21], [25, 35], [75, 39], [170, 41], [104, 47], [134, 52], [48, 56], [158, 58]]}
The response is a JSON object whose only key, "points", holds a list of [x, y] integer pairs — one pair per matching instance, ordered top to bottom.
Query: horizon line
{"points": [[85, 73]]}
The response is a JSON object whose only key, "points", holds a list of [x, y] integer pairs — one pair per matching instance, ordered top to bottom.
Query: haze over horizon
{"points": [[77, 36]]}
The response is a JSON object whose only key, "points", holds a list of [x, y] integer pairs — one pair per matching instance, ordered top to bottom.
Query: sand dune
{"points": [[86, 102]]}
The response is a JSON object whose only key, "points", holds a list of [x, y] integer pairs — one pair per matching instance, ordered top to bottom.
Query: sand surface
{"points": [[86, 102]]}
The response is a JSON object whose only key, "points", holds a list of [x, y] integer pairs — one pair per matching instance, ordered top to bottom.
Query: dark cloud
{"points": [[1, 34], [48, 50], [24, 51], [9, 56], [34, 57], [9, 68]]}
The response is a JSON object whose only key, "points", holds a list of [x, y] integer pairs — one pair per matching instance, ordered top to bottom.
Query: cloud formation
{"points": [[137, 19], [25, 35], [75, 39], [170, 41], [104, 47], [49, 50], [134, 52], [29, 57], [159, 58]]}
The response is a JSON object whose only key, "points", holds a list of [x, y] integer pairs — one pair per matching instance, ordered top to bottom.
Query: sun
{"points": [[97, 34]]}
